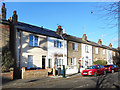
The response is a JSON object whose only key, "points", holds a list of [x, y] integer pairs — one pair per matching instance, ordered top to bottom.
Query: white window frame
{"points": [[75, 46], [86, 48], [96, 50], [103, 51], [114, 53], [30, 60], [73, 61], [49, 63]]}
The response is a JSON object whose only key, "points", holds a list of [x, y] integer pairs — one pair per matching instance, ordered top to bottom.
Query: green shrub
{"points": [[7, 61], [101, 62]]}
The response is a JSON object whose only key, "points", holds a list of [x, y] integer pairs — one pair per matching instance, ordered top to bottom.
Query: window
{"points": [[33, 40], [57, 44], [74, 45], [86, 48], [96, 50], [103, 51], [114, 53], [30, 61], [73, 61], [59, 62], [50, 63]]}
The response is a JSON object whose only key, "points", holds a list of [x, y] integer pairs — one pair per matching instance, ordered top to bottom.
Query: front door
{"points": [[43, 62]]}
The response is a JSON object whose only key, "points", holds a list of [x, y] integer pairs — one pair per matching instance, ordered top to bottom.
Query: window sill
{"points": [[35, 46]]}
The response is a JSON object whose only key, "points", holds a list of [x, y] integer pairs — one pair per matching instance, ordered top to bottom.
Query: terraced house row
{"points": [[38, 47]]}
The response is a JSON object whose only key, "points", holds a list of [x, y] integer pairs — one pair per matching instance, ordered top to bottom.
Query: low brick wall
{"points": [[28, 74], [8, 75]]}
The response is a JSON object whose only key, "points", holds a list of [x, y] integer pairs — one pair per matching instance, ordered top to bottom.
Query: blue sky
{"points": [[74, 17]]}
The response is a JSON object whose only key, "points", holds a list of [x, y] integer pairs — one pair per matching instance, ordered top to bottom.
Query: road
{"points": [[72, 82]]}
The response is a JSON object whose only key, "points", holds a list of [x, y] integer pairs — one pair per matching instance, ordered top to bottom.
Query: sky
{"points": [[74, 17]]}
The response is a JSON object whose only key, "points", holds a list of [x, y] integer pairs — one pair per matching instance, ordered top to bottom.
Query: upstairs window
{"points": [[33, 40], [58, 44], [74, 46], [86, 48], [96, 50], [103, 51], [114, 53]]}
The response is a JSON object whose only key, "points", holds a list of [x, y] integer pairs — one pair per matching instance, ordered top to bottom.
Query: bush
{"points": [[7, 61], [101, 62]]}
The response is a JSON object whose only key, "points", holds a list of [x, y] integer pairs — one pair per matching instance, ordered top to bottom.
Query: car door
{"points": [[98, 69], [102, 69]]}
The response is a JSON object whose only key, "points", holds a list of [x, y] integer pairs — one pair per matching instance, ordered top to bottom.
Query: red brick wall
{"points": [[28, 74]]}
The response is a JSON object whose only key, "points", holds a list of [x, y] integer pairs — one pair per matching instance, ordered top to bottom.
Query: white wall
{"points": [[26, 50], [54, 50], [85, 54]]}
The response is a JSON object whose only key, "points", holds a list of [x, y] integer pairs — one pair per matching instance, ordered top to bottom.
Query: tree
{"points": [[110, 12], [7, 61], [101, 62]]}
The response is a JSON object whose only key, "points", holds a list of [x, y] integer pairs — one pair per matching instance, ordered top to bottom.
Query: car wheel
{"points": [[112, 71], [95, 74]]}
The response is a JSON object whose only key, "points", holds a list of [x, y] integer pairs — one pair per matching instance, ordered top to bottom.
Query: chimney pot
{"points": [[3, 5], [3, 11], [14, 17], [59, 26], [59, 30], [84, 37], [99, 42], [110, 45]]}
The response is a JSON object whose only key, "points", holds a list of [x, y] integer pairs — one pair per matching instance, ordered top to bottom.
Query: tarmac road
{"points": [[110, 80]]}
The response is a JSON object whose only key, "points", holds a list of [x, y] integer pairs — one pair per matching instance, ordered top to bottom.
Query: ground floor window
{"points": [[30, 61], [73, 61], [59, 62], [49, 63]]}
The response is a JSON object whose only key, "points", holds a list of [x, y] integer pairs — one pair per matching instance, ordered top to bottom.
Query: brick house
{"points": [[73, 53]]}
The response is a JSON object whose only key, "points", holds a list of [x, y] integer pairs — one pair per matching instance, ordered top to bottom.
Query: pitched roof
{"points": [[37, 30], [50, 33], [79, 40]]}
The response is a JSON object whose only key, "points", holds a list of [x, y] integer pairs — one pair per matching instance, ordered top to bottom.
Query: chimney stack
{"points": [[3, 12], [14, 17], [59, 30], [84, 37], [100, 42], [110, 45]]}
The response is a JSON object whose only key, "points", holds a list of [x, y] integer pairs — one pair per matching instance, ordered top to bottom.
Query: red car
{"points": [[111, 68], [94, 70]]}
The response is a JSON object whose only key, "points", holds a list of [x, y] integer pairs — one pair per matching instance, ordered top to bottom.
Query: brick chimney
{"points": [[3, 12], [14, 17], [59, 30], [84, 37], [99, 42], [110, 45], [118, 48]]}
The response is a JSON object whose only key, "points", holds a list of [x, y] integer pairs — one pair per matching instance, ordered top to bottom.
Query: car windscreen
{"points": [[107, 66], [91, 67]]}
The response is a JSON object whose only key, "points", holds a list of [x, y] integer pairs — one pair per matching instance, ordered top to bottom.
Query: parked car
{"points": [[111, 68], [94, 70]]}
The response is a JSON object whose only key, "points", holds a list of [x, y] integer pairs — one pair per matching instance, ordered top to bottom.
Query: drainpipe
{"points": [[19, 48]]}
